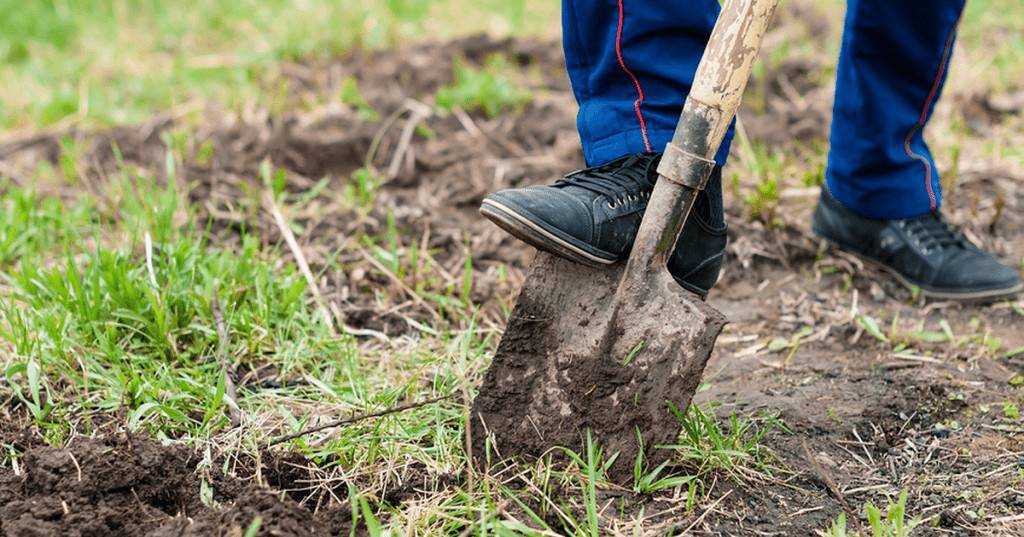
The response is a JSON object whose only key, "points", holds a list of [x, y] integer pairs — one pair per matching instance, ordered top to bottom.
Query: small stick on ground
{"points": [[419, 112], [472, 128], [378, 138], [300, 260], [398, 281], [364, 332], [234, 414], [355, 419], [467, 438], [75, 462], [826, 478], [705, 513]]}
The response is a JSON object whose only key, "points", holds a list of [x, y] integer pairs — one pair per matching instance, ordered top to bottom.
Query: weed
{"points": [[492, 89], [349, 94], [767, 168], [815, 176], [362, 187], [765, 199], [870, 325], [903, 340], [792, 344], [633, 353], [1011, 411], [736, 449], [594, 472], [647, 481], [891, 523], [254, 527], [837, 529]]}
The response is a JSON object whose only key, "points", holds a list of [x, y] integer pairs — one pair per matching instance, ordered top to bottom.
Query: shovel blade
{"points": [[574, 358]]}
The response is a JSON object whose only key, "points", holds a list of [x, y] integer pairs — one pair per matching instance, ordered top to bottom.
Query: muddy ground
{"points": [[865, 421], [118, 485]]}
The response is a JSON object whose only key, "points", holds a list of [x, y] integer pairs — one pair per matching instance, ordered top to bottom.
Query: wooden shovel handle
{"points": [[721, 78], [710, 107]]}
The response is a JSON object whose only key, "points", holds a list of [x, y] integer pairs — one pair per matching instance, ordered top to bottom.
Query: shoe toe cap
{"points": [[548, 207], [978, 271]]}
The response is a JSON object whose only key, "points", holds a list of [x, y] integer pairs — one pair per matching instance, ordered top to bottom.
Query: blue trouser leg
{"points": [[894, 60], [631, 64]]}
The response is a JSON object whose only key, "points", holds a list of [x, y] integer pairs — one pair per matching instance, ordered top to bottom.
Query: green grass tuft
{"points": [[492, 89]]}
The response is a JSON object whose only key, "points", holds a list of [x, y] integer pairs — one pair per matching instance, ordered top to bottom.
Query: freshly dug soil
{"points": [[133, 487]]}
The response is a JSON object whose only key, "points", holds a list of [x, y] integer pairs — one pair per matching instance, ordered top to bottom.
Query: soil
{"points": [[864, 422], [125, 486]]}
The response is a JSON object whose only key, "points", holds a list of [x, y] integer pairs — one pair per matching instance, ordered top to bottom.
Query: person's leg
{"points": [[894, 61], [631, 64], [882, 199]]}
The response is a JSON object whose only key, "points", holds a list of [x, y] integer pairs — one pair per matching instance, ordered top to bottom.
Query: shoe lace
{"points": [[618, 181], [932, 232]]}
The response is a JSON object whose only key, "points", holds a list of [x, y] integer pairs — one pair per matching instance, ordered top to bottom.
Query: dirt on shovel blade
{"points": [[574, 361]]}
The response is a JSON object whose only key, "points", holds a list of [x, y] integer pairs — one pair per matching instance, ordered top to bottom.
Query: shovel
{"points": [[616, 352]]}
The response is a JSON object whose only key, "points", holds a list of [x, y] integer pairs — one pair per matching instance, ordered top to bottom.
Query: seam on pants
{"points": [[636, 82], [932, 198]]}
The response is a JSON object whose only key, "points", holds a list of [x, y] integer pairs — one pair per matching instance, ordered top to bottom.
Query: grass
{"points": [[120, 61], [492, 89], [103, 315], [107, 320], [735, 448], [890, 523]]}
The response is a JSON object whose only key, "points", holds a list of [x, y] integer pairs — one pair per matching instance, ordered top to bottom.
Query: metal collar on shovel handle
{"points": [[611, 352]]}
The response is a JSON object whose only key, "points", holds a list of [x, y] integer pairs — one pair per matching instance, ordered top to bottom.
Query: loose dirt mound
{"points": [[98, 487], [133, 487], [262, 509]]}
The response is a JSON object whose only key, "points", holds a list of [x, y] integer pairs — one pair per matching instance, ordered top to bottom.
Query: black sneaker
{"points": [[591, 216], [924, 252]]}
